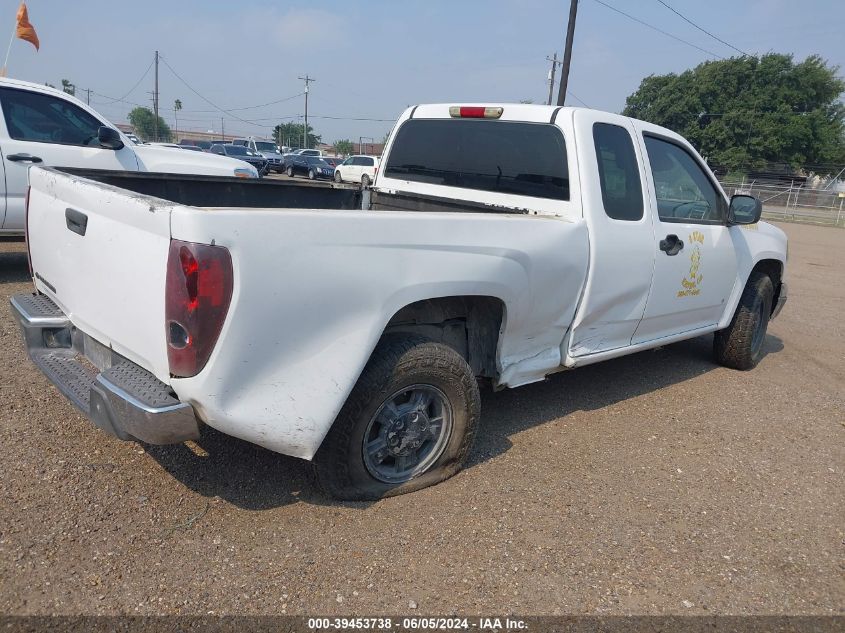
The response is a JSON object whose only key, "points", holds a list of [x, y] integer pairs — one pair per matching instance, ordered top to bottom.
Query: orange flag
{"points": [[25, 29]]}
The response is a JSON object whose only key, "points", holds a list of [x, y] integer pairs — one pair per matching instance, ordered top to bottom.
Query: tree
{"points": [[68, 87], [177, 105], [744, 112], [143, 120], [290, 134], [344, 147]]}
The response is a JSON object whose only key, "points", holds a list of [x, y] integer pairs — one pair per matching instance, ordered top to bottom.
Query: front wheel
{"points": [[337, 177], [365, 181], [740, 345], [408, 423]]}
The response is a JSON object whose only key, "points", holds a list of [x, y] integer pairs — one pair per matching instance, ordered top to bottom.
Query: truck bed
{"points": [[218, 191]]}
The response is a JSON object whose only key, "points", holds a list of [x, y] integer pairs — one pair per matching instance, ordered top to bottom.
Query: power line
{"points": [[686, 19], [654, 28], [137, 83], [579, 100], [208, 101], [252, 107]]}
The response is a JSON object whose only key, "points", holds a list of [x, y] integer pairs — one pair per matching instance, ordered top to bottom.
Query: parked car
{"points": [[44, 126], [133, 138], [191, 148], [267, 149], [243, 153], [306, 165], [358, 168], [499, 242]]}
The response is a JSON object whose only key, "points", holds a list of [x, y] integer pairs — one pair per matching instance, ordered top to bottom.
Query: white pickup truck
{"points": [[44, 126], [351, 328]]}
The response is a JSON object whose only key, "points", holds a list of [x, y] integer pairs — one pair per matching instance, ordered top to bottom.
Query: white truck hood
{"points": [[170, 160]]}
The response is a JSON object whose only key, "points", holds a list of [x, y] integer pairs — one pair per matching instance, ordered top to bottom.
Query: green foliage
{"points": [[68, 87], [744, 112], [143, 120], [290, 134], [344, 147]]}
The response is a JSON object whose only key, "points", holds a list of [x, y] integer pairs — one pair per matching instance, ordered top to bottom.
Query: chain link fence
{"points": [[794, 203]]}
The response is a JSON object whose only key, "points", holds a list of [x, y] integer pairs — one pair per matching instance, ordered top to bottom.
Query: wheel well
{"points": [[774, 269], [469, 324]]}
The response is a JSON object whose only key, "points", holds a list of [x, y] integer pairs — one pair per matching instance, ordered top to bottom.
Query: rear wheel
{"points": [[289, 172], [312, 175], [365, 180], [740, 345], [408, 423]]}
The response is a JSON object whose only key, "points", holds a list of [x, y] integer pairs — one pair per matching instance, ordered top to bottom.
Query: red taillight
{"points": [[475, 112], [26, 228], [198, 291]]}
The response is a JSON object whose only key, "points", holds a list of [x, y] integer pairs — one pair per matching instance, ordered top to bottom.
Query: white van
{"points": [[357, 168]]}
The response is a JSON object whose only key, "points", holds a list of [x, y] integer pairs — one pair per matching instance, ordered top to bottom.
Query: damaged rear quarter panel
{"points": [[315, 289]]}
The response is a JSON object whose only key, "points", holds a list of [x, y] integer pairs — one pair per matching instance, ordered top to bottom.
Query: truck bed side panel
{"points": [[315, 289]]}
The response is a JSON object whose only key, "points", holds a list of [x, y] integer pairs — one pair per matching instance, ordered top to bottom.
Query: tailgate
{"points": [[101, 254]]}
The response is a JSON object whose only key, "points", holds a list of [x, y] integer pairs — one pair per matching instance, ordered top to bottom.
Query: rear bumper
{"points": [[782, 295], [119, 396]]}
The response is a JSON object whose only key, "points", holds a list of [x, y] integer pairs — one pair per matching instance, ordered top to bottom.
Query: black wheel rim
{"points": [[407, 434]]}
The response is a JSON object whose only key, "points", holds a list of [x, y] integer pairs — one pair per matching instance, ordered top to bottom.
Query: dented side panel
{"points": [[315, 290]]}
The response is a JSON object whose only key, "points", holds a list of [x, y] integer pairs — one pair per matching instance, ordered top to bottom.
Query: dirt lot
{"points": [[658, 483]]}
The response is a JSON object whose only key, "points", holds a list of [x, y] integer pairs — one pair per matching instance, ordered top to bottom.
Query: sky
{"points": [[373, 58]]}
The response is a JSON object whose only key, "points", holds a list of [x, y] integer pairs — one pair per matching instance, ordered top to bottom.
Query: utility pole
{"points": [[567, 53], [555, 63], [307, 81], [88, 96], [155, 97], [222, 129]]}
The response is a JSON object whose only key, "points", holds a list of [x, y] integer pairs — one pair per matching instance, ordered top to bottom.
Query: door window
{"points": [[43, 118], [367, 162], [619, 173], [684, 192]]}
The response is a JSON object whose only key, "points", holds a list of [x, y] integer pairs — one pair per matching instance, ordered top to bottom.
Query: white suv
{"points": [[357, 168]]}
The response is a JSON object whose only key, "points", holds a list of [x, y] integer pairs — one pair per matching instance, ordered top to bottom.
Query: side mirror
{"points": [[109, 138], [744, 209]]}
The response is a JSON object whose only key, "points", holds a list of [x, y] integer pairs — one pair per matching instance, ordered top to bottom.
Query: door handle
{"points": [[24, 158], [76, 221], [671, 245]]}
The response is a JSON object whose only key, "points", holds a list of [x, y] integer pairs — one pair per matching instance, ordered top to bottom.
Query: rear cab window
{"points": [[505, 157]]}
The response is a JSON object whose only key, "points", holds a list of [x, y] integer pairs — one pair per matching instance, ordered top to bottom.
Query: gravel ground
{"points": [[657, 483]]}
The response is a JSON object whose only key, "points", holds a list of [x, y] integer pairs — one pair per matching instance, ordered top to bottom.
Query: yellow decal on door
{"points": [[691, 283]]}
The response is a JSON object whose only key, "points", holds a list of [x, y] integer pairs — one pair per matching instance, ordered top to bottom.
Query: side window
{"points": [[43, 118], [367, 162], [619, 174], [684, 192]]}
